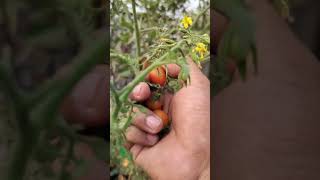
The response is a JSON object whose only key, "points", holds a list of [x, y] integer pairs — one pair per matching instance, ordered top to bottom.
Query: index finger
{"points": [[173, 70], [141, 92]]}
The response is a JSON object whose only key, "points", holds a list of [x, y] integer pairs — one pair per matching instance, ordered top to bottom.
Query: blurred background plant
{"points": [[157, 33], [238, 45], [46, 48]]}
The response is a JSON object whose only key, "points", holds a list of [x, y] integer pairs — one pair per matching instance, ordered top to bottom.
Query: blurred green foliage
{"points": [[38, 38], [238, 44]]}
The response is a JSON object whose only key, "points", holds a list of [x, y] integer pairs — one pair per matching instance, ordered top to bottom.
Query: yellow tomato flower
{"points": [[186, 21], [201, 49]]}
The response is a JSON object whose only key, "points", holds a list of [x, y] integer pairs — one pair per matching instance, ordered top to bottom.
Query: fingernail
{"points": [[153, 122], [152, 139]]}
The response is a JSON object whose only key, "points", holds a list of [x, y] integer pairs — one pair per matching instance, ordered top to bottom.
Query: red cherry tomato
{"points": [[158, 76], [154, 104], [163, 116]]}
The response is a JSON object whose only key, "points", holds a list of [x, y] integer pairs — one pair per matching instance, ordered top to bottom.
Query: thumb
{"points": [[196, 76], [190, 110]]}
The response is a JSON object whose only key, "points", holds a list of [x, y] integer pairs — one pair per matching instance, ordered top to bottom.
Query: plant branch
{"points": [[198, 16], [7, 26], [136, 28], [149, 29], [127, 60], [8, 84], [117, 105], [25, 139], [26, 142], [66, 161]]}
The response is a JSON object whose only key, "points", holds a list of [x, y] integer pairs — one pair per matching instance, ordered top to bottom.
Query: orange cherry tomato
{"points": [[158, 76], [154, 104], [163, 116]]}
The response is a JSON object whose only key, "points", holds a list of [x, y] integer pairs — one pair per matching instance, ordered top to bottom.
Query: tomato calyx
{"points": [[154, 102]]}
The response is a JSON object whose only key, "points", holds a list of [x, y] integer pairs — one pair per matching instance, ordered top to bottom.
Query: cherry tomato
{"points": [[158, 76], [154, 104], [163, 116]]}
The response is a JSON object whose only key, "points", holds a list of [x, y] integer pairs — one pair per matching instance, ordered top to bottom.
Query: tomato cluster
{"points": [[158, 77], [156, 106]]}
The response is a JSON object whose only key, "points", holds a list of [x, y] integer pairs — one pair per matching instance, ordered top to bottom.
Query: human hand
{"points": [[88, 101], [87, 105], [184, 153]]}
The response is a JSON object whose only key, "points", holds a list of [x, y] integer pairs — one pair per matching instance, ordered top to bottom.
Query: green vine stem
{"points": [[198, 17], [136, 28], [149, 29], [126, 60], [117, 101], [24, 143], [21, 155], [66, 161]]}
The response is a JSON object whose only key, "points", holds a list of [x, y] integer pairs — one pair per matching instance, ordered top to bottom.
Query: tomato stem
{"points": [[136, 28]]}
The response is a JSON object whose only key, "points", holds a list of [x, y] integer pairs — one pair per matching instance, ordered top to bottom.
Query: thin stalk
{"points": [[198, 16], [136, 27], [149, 29], [9, 35], [127, 60], [9, 86], [117, 105], [129, 119], [26, 136], [22, 151], [19, 161], [64, 172]]}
